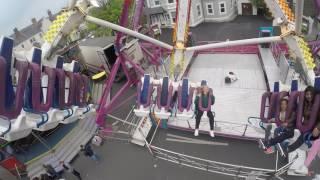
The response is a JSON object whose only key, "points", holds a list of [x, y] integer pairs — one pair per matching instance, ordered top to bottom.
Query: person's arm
{"points": [[213, 99], [292, 120]]}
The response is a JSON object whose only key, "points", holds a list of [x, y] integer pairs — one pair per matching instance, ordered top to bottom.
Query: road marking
{"points": [[177, 138], [197, 142]]}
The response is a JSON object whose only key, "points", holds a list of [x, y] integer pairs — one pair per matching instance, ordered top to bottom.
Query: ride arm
{"points": [[292, 120]]}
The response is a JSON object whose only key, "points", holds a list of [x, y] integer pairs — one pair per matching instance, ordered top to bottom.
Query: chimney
{"points": [[50, 16], [34, 21]]}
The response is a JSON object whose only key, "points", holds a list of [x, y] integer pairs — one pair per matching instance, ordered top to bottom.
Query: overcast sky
{"points": [[18, 13]]}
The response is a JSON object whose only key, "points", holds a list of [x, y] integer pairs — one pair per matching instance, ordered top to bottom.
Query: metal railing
{"points": [[237, 171]]}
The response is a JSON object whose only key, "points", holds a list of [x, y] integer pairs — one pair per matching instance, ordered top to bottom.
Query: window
{"points": [[170, 1], [156, 2], [222, 7], [210, 8], [199, 13], [173, 17]]}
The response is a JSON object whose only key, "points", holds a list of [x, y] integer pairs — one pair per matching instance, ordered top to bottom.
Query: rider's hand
{"points": [[315, 132]]}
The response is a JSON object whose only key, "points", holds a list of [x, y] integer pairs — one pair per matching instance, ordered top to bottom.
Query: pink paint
{"points": [[315, 149]]}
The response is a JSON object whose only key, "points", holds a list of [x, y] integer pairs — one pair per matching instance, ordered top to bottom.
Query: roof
{"points": [[155, 10], [27, 32], [99, 41]]}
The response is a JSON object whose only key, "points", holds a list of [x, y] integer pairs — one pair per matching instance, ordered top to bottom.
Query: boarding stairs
{"points": [[66, 149]]}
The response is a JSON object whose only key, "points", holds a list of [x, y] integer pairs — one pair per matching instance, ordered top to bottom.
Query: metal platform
{"points": [[234, 102]]}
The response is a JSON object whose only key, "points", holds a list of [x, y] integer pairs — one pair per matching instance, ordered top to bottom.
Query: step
{"points": [[67, 148]]}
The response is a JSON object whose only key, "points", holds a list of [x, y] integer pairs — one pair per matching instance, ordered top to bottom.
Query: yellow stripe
{"points": [[99, 75], [49, 151]]}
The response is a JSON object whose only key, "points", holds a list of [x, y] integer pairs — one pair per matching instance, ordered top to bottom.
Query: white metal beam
{"points": [[127, 31], [235, 43]]}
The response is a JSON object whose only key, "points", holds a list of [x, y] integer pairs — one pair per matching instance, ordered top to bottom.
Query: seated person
{"points": [[204, 94], [307, 109], [284, 131], [300, 140]]}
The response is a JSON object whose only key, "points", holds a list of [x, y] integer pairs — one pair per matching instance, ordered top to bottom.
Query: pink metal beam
{"points": [[137, 14], [123, 22], [102, 110]]}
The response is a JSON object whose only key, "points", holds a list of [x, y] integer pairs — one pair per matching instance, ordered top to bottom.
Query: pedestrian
{"points": [[87, 150], [67, 167], [51, 171]]}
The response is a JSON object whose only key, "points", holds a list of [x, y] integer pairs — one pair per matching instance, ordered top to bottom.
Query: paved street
{"points": [[241, 28]]}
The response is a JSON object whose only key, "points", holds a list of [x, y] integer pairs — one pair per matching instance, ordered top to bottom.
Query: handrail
{"points": [[87, 109], [69, 114], [9, 128]]}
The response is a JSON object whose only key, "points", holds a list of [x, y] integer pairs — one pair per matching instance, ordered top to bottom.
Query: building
{"points": [[246, 8], [163, 12], [26, 38], [97, 53]]}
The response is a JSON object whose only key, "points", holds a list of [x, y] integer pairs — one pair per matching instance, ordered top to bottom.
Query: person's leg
{"points": [[198, 118], [211, 119], [267, 132], [286, 134], [296, 144], [93, 157], [76, 173]]}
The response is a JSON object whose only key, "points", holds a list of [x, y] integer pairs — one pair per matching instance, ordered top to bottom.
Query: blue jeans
{"points": [[94, 157]]}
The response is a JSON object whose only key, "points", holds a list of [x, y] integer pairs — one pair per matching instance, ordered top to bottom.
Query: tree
{"points": [[258, 3], [111, 12]]}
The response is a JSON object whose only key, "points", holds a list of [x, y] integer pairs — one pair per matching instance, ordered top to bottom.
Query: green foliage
{"points": [[258, 3], [110, 12]]}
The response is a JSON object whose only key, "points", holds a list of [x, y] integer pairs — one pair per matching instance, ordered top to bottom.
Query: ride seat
{"points": [[144, 93], [164, 96], [185, 100]]}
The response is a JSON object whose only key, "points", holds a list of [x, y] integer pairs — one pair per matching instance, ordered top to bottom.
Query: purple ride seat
{"points": [[72, 86], [60, 88], [36, 89], [144, 93], [164, 94], [185, 96], [80, 97], [272, 98], [13, 111], [314, 113]]}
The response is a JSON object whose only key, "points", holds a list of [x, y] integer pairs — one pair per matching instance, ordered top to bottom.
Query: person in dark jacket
{"points": [[204, 95], [284, 131], [87, 150], [67, 167]]}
